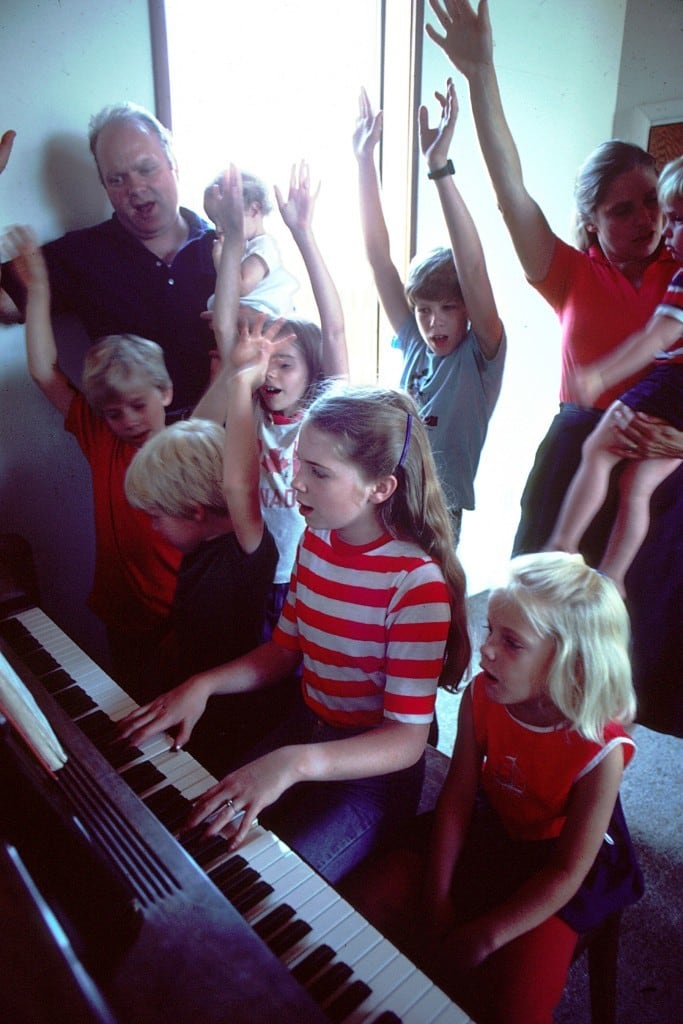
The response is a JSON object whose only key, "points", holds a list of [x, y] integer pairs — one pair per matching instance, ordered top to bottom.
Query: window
{"points": [[267, 83]]}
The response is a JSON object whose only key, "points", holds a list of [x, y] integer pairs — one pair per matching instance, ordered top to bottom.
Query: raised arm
{"points": [[468, 44], [6, 143], [228, 209], [297, 213], [375, 234], [468, 253], [253, 269], [9, 314], [41, 348], [250, 357], [587, 382]]}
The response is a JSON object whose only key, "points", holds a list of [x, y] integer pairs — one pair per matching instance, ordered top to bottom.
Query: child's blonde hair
{"points": [[670, 182], [117, 364], [380, 432], [179, 468], [582, 611]]}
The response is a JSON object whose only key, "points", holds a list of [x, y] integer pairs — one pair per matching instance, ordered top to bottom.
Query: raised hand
{"points": [[468, 39], [368, 128], [436, 142], [6, 143], [224, 203], [297, 209], [28, 262], [254, 347]]}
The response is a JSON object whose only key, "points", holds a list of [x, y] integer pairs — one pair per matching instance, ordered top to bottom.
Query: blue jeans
{"points": [[335, 825]]}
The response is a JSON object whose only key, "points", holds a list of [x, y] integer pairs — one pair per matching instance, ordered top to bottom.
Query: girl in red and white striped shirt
{"points": [[376, 617]]}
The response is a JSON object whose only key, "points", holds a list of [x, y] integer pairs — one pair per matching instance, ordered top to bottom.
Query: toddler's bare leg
{"points": [[638, 483], [587, 490]]}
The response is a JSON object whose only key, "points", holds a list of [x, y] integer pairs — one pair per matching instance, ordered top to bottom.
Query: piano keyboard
{"points": [[353, 973]]}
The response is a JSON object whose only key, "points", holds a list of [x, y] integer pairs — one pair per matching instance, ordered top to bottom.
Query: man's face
{"points": [[141, 183]]}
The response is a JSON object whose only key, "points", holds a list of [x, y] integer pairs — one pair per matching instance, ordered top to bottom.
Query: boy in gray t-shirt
{"points": [[445, 317]]}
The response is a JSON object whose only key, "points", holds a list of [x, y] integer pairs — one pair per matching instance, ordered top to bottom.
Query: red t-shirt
{"points": [[598, 307], [135, 568], [529, 772]]}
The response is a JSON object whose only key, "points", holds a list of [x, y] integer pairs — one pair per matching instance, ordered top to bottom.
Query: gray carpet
{"points": [[651, 947]]}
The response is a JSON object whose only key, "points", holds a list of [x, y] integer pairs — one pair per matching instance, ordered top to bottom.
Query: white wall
{"points": [[650, 79]]}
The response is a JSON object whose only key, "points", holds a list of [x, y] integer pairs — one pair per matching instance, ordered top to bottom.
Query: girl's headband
{"points": [[406, 443]]}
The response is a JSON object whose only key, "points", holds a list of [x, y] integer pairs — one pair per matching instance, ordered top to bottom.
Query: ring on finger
{"points": [[229, 803]]}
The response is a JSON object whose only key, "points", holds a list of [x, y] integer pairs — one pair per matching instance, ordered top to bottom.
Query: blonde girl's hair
{"points": [[595, 176], [120, 363], [380, 432], [179, 468], [582, 611]]}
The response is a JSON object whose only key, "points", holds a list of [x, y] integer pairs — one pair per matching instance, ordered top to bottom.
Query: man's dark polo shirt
{"points": [[115, 285]]}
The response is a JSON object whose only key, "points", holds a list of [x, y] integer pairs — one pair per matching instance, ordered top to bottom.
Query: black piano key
{"points": [[11, 629], [18, 636], [39, 661], [57, 680], [75, 701], [99, 728], [120, 753], [141, 777], [165, 799], [204, 849], [227, 868], [238, 883], [252, 897], [273, 921], [288, 936], [313, 963], [327, 983], [343, 1005], [387, 1017]]}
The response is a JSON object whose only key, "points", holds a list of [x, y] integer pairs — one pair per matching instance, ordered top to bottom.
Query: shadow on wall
{"points": [[71, 183], [46, 497]]}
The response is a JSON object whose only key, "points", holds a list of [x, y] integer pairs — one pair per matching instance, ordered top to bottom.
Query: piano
{"points": [[140, 922]]}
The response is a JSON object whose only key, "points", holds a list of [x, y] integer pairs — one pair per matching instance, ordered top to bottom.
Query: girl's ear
{"points": [[167, 397], [383, 489]]}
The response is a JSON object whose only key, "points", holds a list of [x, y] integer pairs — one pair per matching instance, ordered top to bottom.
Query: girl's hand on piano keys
{"points": [[176, 712], [249, 789]]}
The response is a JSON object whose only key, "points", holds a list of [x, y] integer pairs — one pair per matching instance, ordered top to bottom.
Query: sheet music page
{"points": [[19, 706]]}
